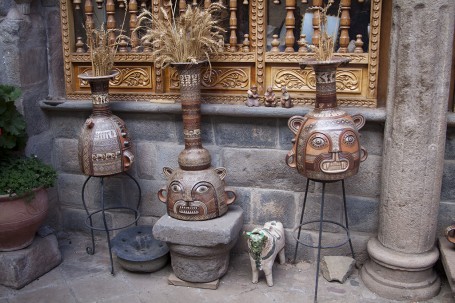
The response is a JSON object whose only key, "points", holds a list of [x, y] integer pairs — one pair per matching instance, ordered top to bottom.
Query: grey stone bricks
{"points": [[245, 132], [66, 155], [263, 168], [272, 205]]}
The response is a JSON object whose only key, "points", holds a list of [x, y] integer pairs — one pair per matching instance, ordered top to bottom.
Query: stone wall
{"points": [[252, 147]]}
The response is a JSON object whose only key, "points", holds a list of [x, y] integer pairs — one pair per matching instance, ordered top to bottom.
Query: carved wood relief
{"points": [[234, 70]]}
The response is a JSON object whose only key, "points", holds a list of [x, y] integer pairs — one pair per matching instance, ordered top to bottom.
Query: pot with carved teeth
{"points": [[104, 144], [326, 146], [195, 191]]}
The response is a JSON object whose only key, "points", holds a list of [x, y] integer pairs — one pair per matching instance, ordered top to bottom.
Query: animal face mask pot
{"points": [[326, 143], [104, 144], [196, 195]]}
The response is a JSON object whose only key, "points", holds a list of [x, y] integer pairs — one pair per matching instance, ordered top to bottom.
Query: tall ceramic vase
{"points": [[326, 144], [104, 145], [195, 191]]}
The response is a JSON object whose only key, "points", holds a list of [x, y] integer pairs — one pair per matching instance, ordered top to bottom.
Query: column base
{"points": [[401, 276]]}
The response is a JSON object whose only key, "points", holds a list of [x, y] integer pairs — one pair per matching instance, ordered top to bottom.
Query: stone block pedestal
{"points": [[200, 249], [20, 267]]}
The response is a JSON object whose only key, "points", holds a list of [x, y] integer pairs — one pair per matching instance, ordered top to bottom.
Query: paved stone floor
{"points": [[84, 278]]}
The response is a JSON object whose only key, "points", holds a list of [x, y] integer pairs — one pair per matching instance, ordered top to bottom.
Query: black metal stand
{"points": [[321, 221], [105, 228]]}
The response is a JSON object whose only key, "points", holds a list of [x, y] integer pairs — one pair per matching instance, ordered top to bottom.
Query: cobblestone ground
{"points": [[84, 278]]}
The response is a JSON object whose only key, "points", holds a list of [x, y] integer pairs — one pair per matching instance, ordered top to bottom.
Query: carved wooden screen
{"points": [[263, 46]]}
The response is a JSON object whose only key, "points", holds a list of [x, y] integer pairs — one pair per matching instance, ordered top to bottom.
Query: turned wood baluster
{"points": [[207, 3], [143, 4], [317, 4], [182, 6], [89, 23], [110, 23], [133, 23], [345, 24], [233, 25], [290, 25]]}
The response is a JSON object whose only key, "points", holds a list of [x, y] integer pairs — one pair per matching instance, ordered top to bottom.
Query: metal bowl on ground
{"points": [[137, 249]]}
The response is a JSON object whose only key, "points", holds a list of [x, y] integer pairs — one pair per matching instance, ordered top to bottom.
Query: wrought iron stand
{"points": [[321, 221], [106, 228]]}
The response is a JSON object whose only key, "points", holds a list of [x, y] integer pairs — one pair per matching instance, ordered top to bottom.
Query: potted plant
{"points": [[23, 180]]}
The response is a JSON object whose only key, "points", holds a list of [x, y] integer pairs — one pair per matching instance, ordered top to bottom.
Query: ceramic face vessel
{"points": [[104, 144], [326, 144], [195, 191], [196, 195]]}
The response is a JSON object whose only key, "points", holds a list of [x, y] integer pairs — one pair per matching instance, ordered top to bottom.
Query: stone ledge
{"points": [[370, 114]]}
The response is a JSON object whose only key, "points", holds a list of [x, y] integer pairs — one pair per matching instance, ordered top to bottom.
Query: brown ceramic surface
{"points": [[104, 144], [327, 145], [196, 195], [20, 218]]}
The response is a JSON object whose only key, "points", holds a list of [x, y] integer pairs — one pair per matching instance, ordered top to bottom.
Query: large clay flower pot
{"points": [[326, 144], [104, 145], [195, 191], [20, 218]]}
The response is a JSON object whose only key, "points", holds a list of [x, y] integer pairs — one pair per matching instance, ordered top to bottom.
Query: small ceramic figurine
{"points": [[253, 96], [270, 98], [286, 100], [263, 246]]}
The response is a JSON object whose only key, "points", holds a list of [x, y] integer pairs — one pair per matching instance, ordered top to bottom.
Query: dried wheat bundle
{"points": [[191, 37], [102, 51], [324, 51]]}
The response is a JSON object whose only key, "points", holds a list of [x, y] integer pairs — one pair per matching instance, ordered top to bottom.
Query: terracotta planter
{"points": [[104, 144], [326, 144], [195, 191], [20, 218]]}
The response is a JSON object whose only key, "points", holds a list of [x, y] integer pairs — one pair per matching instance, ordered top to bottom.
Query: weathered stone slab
{"points": [[206, 233], [200, 250], [447, 251], [21, 267], [337, 268], [173, 280]]}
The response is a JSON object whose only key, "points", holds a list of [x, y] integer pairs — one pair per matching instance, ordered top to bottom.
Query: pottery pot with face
{"points": [[326, 143], [104, 144], [195, 191], [196, 195]]}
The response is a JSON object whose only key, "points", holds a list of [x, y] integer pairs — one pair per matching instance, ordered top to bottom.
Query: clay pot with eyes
{"points": [[327, 142], [196, 195]]}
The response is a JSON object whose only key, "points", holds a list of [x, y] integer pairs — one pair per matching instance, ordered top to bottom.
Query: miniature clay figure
{"points": [[253, 96], [270, 98], [286, 100], [263, 246]]}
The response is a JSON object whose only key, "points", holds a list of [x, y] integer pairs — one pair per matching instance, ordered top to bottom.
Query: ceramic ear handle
{"points": [[359, 121], [162, 195]]}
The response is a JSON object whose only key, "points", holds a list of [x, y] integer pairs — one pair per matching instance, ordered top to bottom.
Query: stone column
{"points": [[404, 252]]}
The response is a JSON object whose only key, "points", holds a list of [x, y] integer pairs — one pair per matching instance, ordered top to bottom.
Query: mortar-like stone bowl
{"points": [[137, 250]]}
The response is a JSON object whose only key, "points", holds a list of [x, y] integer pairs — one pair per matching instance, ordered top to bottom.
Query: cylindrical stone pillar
{"points": [[404, 252]]}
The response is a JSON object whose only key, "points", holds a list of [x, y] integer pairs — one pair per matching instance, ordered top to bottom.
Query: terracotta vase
{"points": [[104, 144], [326, 144], [195, 190], [20, 218]]}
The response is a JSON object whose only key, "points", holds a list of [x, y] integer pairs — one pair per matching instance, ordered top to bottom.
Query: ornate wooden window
{"points": [[262, 46]]}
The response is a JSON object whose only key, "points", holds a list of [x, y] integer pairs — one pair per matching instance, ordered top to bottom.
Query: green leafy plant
{"points": [[12, 124], [19, 175]]}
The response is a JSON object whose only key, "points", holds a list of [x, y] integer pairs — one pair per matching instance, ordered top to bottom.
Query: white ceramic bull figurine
{"points": [[263, 245]]}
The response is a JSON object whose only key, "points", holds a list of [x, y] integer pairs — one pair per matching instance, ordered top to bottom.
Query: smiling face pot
{"points": [[327, 142]]}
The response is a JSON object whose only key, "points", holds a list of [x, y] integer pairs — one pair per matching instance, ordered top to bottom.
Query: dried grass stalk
{"points": [[191, 37], [324, 51], [102, 52]]}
